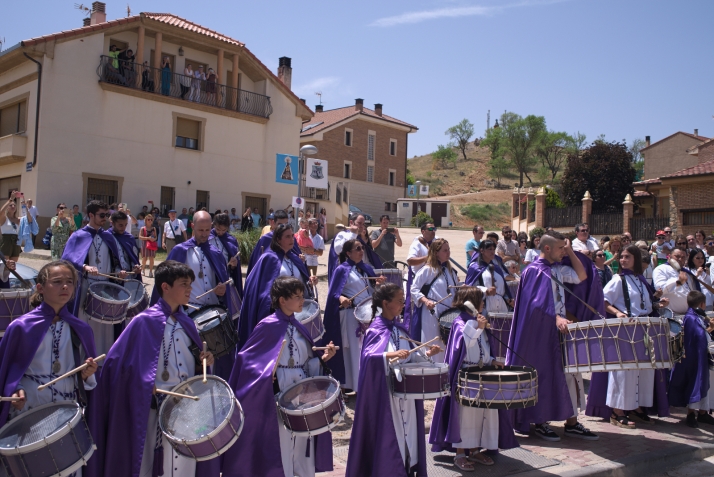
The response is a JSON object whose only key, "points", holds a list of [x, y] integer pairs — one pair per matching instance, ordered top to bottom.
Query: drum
{"points": [[393, 275], [234, 297], [139, 300], [14, 302], [107, 302], [363, 313], [311, 319], [446, 319], [216, 329], [501, 330], [676, 339], [617, 344], [420, 380], [510, 387], [311, 406], [203, 429], [49, 440]]}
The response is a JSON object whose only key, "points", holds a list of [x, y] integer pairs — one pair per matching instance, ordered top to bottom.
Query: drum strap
{"points": [[427, 288], [626, 295], [81, 392]]}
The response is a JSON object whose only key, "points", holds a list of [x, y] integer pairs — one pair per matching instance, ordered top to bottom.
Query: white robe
{"points": [[205, 279], [439, 289], [495, 303], [351, 343]]}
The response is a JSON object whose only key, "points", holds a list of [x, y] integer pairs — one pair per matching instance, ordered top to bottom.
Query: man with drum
{"points": [[227, 244], [486, 274], [675, 284], [538, 318]]}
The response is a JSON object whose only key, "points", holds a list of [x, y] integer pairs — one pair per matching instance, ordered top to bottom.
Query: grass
{"points": [[485, 212]]}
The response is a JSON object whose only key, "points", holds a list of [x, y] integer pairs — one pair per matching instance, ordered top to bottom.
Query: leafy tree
{"points": [[461, 134], [520, 139], [494, 141], [576, 143], [553, 150], [444, 156], [638, 160], [499, 169], [605, 169], [552, 199], [421, 218]]}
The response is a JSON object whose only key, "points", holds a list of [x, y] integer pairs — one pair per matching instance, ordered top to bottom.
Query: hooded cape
{"points": [[127, 242], [231, 245], [262, 247], [476, 269], [331, 318], [22, 338], [689, 382], [122, 398], [445, 427], [374, 450], [257, 451]]}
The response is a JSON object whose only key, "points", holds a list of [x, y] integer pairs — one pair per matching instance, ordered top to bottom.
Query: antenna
{"points": [[79, 6], [128, 10], [319, 93], [488, 120]]}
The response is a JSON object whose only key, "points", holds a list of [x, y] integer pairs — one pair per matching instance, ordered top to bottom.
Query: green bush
{"points": [[552, 199], [484, 212], [421, 218], [536, 231], [246, 243]]}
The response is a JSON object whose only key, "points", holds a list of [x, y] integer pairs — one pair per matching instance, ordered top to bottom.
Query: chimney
{"points": [[99, 13], [86, 21], [285, 71], [303, 100], [359, 104], [318, 108], [378, 109], [696, 132], [647, 141]]}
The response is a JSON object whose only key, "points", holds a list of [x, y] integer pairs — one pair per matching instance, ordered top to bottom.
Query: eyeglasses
{"points": [[61, 208], [103, 215], [431, 229], [584, 231], [668, 231], [660, 236], [681, 243], [358, 248]]}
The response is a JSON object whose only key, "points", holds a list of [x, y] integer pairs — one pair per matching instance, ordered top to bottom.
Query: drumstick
{"points": [[112, 277], [24, 282], [228, 282], [359, 292], [439, 303], [191, 306], [322, 348], [205, 349], [414, 349], [275, 368], [70, 373], [178, 395], [11, 399]]}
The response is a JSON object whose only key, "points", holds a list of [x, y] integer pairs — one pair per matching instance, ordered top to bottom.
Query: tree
{"points": [[461, 134], [519, 139], [576, 143], [553, 150], [444, 156], [638, 160], [499, 169], [605, 169]]}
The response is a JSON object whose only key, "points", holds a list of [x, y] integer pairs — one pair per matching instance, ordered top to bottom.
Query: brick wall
{"points": [[706, 152], [670, 156], [692, 196]]}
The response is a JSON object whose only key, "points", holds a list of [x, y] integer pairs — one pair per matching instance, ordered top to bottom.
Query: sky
{"points": [[623, 68]]}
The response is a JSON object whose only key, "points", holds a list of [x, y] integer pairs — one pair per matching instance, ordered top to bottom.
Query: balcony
{"points": [[155, 81], [13, 148]]}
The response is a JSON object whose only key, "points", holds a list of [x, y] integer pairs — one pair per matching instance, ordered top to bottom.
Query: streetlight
{"points": [[306, 150]]}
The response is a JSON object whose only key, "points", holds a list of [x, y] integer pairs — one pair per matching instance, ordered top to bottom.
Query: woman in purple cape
{"points": [[388, 432]]}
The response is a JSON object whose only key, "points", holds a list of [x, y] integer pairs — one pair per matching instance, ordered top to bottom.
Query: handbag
{"points": [[149, 244]]}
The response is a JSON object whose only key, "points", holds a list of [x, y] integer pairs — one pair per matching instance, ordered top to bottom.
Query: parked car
{"points": [[355, 211], [28, 273]]}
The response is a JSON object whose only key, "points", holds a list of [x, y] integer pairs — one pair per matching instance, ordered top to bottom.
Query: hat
{"points": [[172, 210], [271, 217], [340, 226], [660, 232]]}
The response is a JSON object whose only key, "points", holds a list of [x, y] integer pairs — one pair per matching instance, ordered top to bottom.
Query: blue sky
{"points": [[623, 68]]}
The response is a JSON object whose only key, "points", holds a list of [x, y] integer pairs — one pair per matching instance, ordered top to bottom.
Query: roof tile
{"points": [[334, 116]]}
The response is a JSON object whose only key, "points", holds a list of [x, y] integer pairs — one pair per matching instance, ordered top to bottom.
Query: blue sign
{"points": [[28, 167], [286, 169], [411, 191]]}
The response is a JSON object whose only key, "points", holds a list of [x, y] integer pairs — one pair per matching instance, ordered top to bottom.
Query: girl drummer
{"points": [[486, 274], [350, 286], [432, 292], [630, 391], [388, 431]]}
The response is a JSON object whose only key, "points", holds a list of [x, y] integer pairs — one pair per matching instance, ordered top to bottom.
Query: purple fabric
{"points": [[127, 242], [231, 245], [262, 247], [374, 259], [332, 261], [476, 269], [589, 290], [331, 317], [22, 338], [536, 339], [689, 380], [122, 398], [445, 427], [374, 450], [257, 451]]}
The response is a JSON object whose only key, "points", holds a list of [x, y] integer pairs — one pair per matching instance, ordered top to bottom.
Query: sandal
{"points": [[640, 416], [621, 421], [480, 458], [462, 463]]}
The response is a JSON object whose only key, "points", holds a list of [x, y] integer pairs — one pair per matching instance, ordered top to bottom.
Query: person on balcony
{"points": [[126, 67], [165, 76], [198, 77], [147, 80], [211, 80], [185, 81]]}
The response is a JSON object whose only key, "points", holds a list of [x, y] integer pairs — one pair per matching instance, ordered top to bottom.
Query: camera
{"points": [[390, 230]]}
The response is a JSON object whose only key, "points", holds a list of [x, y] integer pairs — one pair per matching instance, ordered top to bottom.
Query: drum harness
{"points": [[492, 271], [424, 290]]}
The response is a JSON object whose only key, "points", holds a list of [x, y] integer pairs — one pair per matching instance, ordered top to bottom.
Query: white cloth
{"points": [[8, 227], [173, 229], [339, 241], [318, 244], [590, 244], [218, 245], [659, 249], [417, 250], [532, 254], [124, 259], [564, 274], [665, 277], [205, 278], [354, 285], [439, 289], [638, 294], [495, 303], [351, 347], [576, 389], [628, 390], [706, 403]]}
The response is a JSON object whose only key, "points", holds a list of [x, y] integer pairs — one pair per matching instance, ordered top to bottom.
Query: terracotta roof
{"points": [[173, 20], [81, 30], [331, 117], [698, 138], [695, 149], [703, 169], [647, 182], [642, 193]]}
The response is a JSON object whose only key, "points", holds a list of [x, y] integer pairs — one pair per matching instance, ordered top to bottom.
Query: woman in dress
{"points": [[165, 76], [211, 80], [9, 226], [62, 228], [149, 244], [612, 253], [488, 276]]}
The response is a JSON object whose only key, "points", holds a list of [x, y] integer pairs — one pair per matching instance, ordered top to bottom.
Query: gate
{"points": [[566, 217], [606, 223], [645, 228]]}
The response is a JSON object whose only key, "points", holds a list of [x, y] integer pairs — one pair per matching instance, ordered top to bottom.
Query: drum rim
{"points": [[19, 292], [144, 298], [104, 300], [206, 307], [450, 309], [501, 314], [314, 315], [632, 320], [435, 366], [629, 366], [466, 372], [235, 404], [303, 411], [316, 432], [59, 434]]}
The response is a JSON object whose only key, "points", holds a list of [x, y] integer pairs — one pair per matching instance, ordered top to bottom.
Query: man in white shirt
{"points": [[33, 212], [233, 216], [174, 231], [669, 240], [584, 243], [318, 245], [419, 249], [674, 285]]}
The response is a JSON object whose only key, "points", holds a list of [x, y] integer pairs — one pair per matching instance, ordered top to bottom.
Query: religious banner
{"points": [[286, 169], [316, 173], [411, 190]]}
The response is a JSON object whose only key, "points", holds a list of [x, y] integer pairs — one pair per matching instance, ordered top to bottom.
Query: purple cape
{"points": [[127, 242], [231, 245], [262, 247], [76, 252], [333, 259], [476, 269], [589, 290], [256, 299], [331, 317], [22, 338], [536, 339], [689, 381], [122, 398], [445, 427], [374, 450], [257, 451]]}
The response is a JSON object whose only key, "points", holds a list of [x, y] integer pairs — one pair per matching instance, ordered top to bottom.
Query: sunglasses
{"points": [[62, 208], [103, 215], [431, 229], [584, 231], [668, 231], [660, 236], [711, 244], [358, 248], [599, 255]]}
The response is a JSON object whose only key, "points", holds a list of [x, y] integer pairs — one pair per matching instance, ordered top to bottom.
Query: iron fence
{"points": [[566, 217], [607, 223], [643, 228]]}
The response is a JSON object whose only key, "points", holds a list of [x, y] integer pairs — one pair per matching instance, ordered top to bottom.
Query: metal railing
{"points": [[167, 83], [566, 217], [606, 223], [643, 228]]}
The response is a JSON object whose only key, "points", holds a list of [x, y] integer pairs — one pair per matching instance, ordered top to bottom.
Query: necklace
{"points": [[97, 248], [199, 255], [290, 266], [640, 288], [395, 339], [292, 346], [480, 351], [56, 364], [165, 375]]}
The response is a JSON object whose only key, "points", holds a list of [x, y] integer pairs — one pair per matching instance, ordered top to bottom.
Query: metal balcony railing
{"points": [[167, 83]]}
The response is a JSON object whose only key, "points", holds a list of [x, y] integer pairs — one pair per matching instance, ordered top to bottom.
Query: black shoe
{"points": [[640, 416], [705, 419], [692, 420], [581, 432], [546, 433]]}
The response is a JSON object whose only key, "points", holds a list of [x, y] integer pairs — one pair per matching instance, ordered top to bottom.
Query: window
{"points": [[13, 119], [187, 133], [348, 137], [370, 147], [392, 147], [348, 170], [370, 173], [392, 177], [102, 189], [168, 194], [344, 194], [338, 195], [203, 198], [387, 206], [394, 206], [698, 217]]}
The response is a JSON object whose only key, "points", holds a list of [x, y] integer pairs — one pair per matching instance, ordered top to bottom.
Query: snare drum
{"points": [[393, 275], [234, 297], [139, 298], [14, 302], [107, 302], [363, 313], [310, 318], [446, 320], [216, 329], [500, 329], [676, 339], [617, 344], [420, 380], [510, 387], [311, 406], [203, 429], [49, 440]]}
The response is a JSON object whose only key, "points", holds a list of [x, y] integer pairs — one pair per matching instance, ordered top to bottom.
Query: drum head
{"points": [[136, 289], [110, 292], [309, 309], [363, 311], [665, 313], [449, 316], [208, 317], [675, 327], [308, 393], [189, 420], [37, 425]]}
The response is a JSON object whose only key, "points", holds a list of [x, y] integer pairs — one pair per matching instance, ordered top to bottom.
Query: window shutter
{"points": [[22, 117], [8, 120], [187, 128]]}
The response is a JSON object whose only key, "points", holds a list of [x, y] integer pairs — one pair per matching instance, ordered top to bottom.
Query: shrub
{"points": [[552, 199], [483, 212], [421, 218], [536, 231], [247, 242]]}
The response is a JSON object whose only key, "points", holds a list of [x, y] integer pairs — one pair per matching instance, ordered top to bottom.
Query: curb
{"points": [[35, 256]]}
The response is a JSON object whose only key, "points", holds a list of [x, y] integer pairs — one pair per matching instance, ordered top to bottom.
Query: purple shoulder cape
{"points": [[127, 242], [231, 245], [262, 247], [374, 259], [332, 261], [476, 269], [331, 317], [22, 338], [536, 339], [689, 381], [122, 398], [445, 428], [374, 449], [257, 451]]}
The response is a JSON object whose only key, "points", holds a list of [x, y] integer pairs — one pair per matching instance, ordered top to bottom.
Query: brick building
{"points": [[366, 152], [670, 154]]}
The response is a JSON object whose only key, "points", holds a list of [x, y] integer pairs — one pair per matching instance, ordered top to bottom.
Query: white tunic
{"points": [[340, 239], [218, 245], [417, 250], [124, 259], [665, 277], [205, 278], [439, 289], [495, 303], [351, 342]]}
